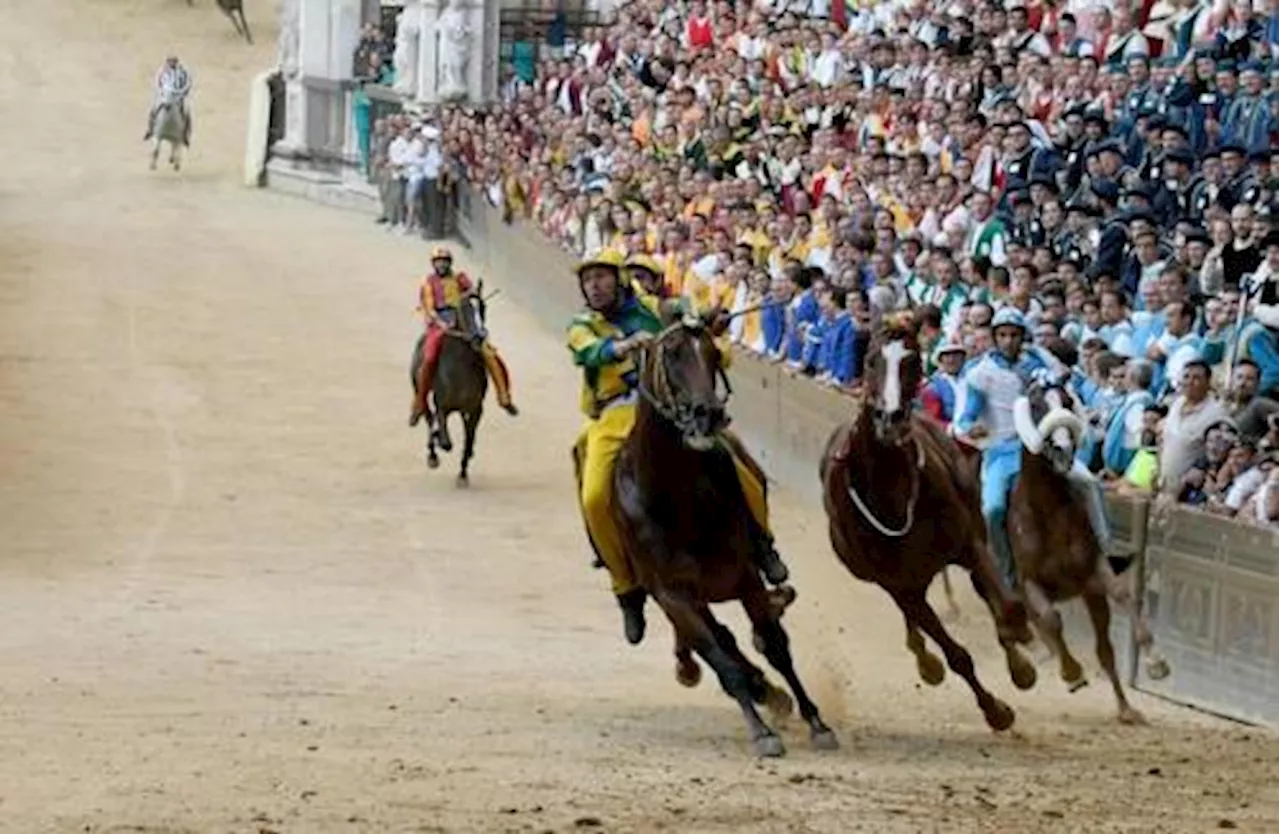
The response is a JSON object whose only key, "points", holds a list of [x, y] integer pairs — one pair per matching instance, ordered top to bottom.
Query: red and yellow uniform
{"points": [[439, 299]]}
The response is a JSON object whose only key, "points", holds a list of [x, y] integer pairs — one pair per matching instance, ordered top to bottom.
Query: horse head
{"points": [[471, 316], [891, 376], [682, 379], [1046, 421]]}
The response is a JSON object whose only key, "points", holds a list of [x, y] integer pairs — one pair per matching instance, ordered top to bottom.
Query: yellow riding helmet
{"points": [[441, 253], [609, 258], [645, 262]]}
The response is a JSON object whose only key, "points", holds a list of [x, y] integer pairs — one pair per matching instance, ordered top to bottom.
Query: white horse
{"points": [[170, 126]]}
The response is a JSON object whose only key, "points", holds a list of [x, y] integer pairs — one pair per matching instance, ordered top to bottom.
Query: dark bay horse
{"points": [[234, 10], [460, 385], [902, 504], [681, 510], [1057, 555]]}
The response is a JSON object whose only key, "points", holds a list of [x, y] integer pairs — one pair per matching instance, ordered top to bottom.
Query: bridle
{"points": [[664, 397], [914, 473], [910, 517]]}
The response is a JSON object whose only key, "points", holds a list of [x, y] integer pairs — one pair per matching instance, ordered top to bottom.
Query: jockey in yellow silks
{"points": [[439, 297], [604, 339]]}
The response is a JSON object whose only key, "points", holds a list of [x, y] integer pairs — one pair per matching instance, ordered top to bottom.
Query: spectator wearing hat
{"points": [[1249, 113], [1114, 237], [942, 397]]}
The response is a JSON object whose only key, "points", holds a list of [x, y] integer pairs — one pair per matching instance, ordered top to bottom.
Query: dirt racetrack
{"points": [[234, 600]]}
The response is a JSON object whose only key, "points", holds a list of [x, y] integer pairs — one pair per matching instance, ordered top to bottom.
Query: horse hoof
{"points": [[446, 445], [433, 461], [462, 482], [781, 598], [930, 668], [1158, 668], [1022, 672], [688, 673], [1073, 676], [778, 702], [1130, 716], [1000, 717], [824, 740], [769, 746]]}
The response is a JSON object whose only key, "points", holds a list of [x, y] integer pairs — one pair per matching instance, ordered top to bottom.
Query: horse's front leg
{"points": [[155, 150], [429, 419], [470, 422], [1117, 589], [916, 608], [1049, 623], [695, 631], [777, 650], [1021, 670]]}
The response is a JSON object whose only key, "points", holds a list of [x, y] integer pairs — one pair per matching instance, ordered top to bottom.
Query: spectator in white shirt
{"points": [[1190, 415]]}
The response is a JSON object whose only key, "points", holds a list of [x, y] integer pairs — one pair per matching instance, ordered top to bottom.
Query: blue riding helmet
{"points": [[1009, 317]]}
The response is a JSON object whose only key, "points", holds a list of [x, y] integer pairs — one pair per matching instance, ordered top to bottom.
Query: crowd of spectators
{"points": [[1109, 170]]}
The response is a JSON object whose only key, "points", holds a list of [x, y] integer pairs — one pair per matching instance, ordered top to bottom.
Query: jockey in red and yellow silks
{"points": [[439, 296]]}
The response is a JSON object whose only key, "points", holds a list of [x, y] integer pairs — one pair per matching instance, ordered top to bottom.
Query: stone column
{"points": [[310, 58]]}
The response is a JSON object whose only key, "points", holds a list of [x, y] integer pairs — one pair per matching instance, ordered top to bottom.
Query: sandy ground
{"points": [[234, 600]]}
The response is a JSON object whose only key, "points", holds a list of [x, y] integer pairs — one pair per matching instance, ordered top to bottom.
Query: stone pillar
{"points": [[304, 52]]}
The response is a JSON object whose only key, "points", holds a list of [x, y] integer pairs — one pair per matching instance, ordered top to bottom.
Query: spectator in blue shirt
{"points": [[836, 352]]}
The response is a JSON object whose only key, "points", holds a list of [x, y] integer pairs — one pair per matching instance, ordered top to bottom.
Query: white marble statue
{"points": [[287, 42], [454, 51], [405, 57]]}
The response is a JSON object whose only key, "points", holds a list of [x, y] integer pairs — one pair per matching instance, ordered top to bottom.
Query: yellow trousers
{"points": [[498, 372], [595, 454]]}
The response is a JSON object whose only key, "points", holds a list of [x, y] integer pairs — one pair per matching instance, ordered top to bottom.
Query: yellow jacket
{"points": [[591, 338]]}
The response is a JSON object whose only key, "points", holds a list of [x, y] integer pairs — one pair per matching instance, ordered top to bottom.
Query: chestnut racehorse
{"points": [[901, 505], [681, 510], [1057, 556]]}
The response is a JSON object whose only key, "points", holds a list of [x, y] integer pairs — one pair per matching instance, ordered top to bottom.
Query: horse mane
{"points": [[898, 326]]}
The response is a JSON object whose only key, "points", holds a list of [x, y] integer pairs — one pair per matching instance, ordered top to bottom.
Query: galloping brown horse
{"points": [[461, 383], [902, 505], [681, 510], [1058, 558]]}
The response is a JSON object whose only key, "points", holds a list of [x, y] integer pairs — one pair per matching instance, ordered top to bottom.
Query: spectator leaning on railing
{"points": [[1109, 171]]}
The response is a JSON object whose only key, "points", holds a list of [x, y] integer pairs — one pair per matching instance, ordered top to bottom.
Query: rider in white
{"points": [[173, 83], [993, 385]]}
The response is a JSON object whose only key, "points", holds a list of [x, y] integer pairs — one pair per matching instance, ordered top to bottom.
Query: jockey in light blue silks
{"points": [[173, 83], [992, 386]]}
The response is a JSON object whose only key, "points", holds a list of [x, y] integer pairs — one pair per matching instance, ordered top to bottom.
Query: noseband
{"points": [[664, 397]]}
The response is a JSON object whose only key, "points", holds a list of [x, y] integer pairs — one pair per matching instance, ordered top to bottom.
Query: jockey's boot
{"points": [[766, 556], [771, 564], [632, 605]]}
